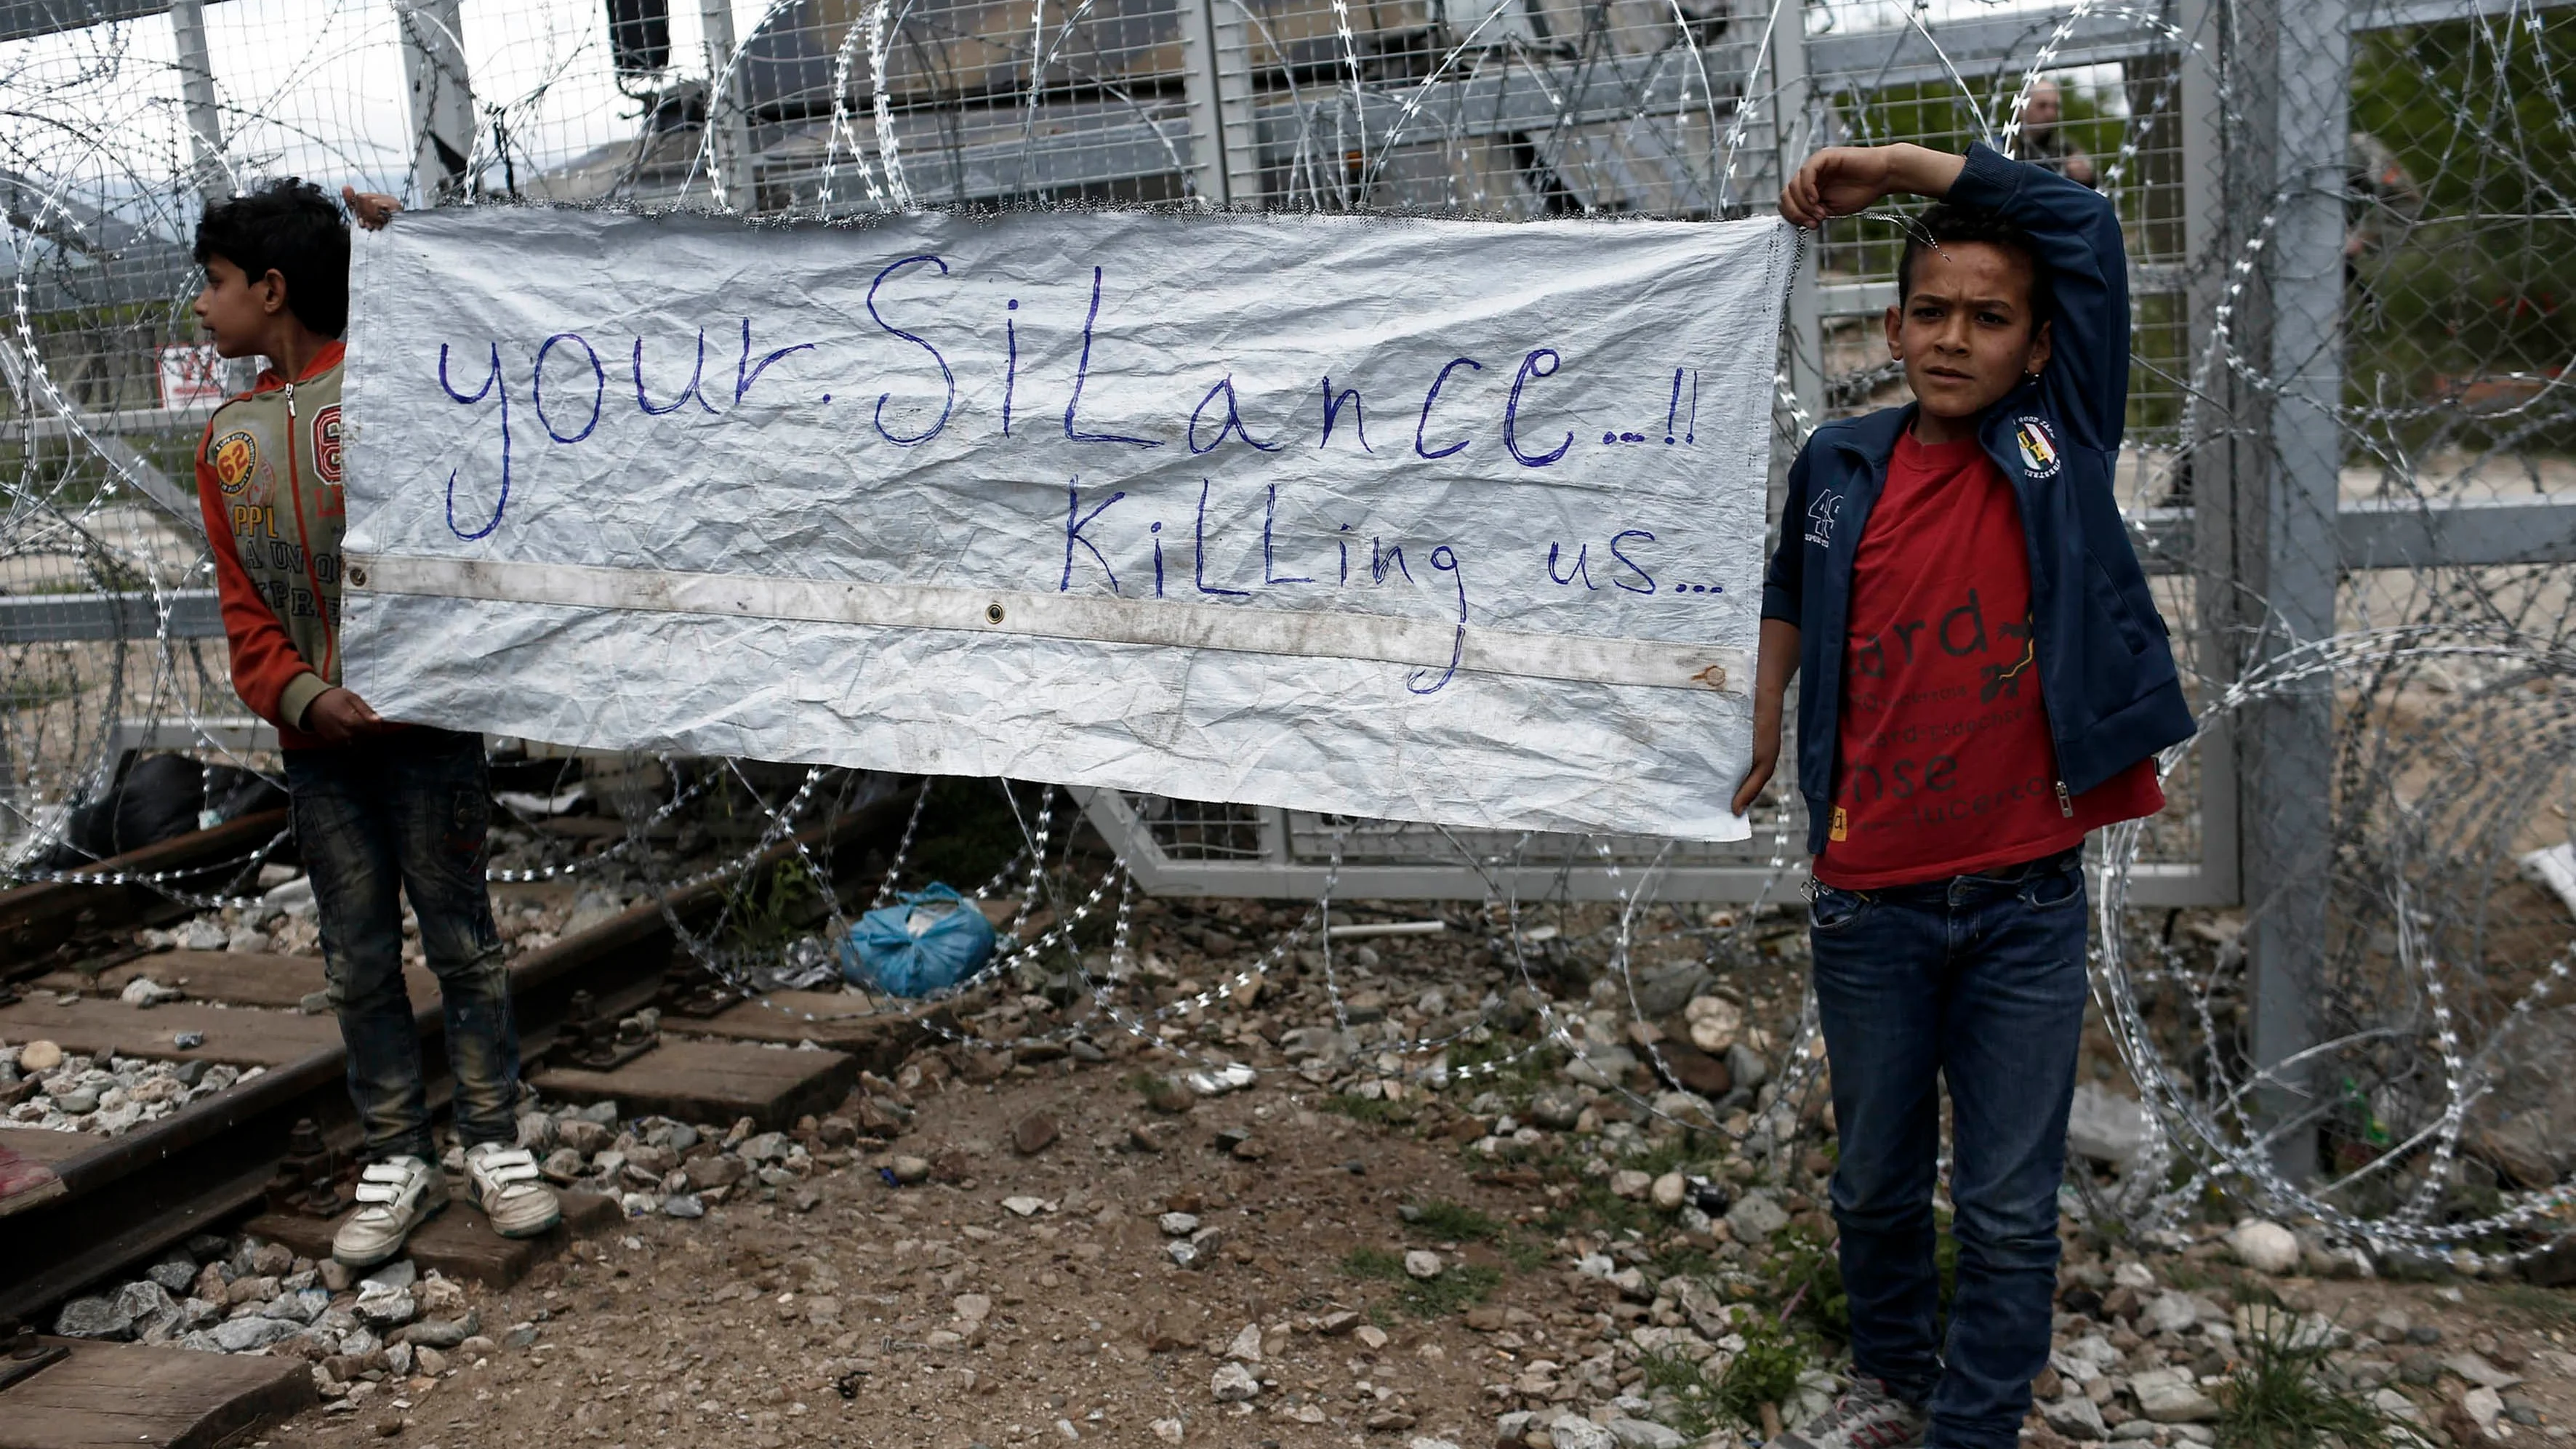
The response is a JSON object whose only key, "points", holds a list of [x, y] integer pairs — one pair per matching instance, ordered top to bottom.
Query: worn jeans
{"points": [[408, 812], [1975, 983]]}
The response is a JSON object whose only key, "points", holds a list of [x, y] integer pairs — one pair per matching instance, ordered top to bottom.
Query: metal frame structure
{"points": [[2266, 521]]}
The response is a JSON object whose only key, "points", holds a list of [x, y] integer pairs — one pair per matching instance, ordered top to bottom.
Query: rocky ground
{"points": [[1076, 1226]]}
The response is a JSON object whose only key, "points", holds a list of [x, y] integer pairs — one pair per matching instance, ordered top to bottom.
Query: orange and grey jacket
{"points": [[268, 482]]}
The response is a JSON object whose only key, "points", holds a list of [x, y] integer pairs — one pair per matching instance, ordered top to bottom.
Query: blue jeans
{"points": [[409, 812], [1976, 983]]}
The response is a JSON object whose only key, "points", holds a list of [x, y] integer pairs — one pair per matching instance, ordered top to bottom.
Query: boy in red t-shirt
{"points": [[1987, 681]]}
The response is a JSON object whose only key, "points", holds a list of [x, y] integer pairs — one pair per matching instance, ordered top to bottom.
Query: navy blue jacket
{"points": [[2106, 668]]}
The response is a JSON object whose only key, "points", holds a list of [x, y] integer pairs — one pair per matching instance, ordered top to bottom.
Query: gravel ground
{"points": [[1069, 1233]]}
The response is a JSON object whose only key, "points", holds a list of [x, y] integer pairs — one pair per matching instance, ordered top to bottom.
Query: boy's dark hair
{"points": [[1943, 224], [293, 227]]}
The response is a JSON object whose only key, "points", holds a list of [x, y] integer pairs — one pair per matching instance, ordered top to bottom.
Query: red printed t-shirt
{"points": [[1945, 766]]}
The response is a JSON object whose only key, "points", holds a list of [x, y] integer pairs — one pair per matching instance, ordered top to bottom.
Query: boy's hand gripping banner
{"points": [[1422, 520]]}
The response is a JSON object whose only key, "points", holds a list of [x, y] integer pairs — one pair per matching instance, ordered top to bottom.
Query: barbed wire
{"points": [[2446, 680]]}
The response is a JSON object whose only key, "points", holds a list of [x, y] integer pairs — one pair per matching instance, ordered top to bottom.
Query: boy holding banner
{"points": [[1988, 680], [379, 808]]}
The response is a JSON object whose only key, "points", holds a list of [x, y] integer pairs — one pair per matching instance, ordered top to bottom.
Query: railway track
{"points": [[76, 1207]]}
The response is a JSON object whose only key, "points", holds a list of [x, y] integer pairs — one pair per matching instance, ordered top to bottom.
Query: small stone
{"points": [[144, 991], [39, 1056], [1165, 1095], [77, 1103], [1556, 1109], [1033, 1134], [583, 1136], [1148, 1137], [910, 1171], [1627, 1182], [1668, 1192], [684, 1205], [1026, 1207], [1756, 1216], [1177, 1225], [2265, 1247], [1183, 1253], [1422, 1264], [173, 1274], [334, 1275], [391, 1278], [971, 1307], [385, 1310], [2168, 1313], [93, 1318], [1337, 1323], [437, 1333], [241, 1335], [1370, 1336], [1246, 1346], [1232, 1383], [2169, 1396], [2485, 1406], [2075, 1416], [1169, 1431], [1573, 1431], [1645, 1434]]}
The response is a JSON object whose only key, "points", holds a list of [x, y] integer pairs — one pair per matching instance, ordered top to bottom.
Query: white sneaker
{"points": [[502, 1180], [394, 1197]]}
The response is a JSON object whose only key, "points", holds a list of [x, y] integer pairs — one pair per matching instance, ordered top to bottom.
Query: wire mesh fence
{"points": [[2351, 455]]}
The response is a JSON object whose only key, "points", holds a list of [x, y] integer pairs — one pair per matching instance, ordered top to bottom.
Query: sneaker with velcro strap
{"points": [[502, 1180], [394, 1197], [1865, 1417]]}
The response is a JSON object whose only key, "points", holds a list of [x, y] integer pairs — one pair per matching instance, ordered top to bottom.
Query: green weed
{"points": [[1376, 1112], [1451, 1223], [1812, 1274], [1459, 1287], [2542, 1308], [1765, 1373], [2279, 1397], [1695, 1411]]}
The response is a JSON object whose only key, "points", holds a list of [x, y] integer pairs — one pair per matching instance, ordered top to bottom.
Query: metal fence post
{"points": [[197, 99], [442, 102], [2300, 105], [1793, 111], [1225, 144], [729, 168], [2206, 474]]}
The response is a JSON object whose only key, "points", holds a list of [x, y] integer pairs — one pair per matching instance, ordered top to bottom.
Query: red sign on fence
{"points": [[192, 375]]}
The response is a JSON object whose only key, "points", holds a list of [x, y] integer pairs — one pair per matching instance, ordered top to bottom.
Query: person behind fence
{"points": [[2042, 139], [1987, 680], [381, 810]]}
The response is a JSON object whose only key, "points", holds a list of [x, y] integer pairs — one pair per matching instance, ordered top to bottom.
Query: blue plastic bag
{"points": [[929, 940]]}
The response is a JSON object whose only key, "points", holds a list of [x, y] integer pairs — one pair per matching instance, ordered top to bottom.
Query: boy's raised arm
{"points": [[2074, 229], [2076, 232]]}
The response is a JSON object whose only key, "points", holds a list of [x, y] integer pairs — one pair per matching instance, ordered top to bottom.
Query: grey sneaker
{"points": [[502, 1181], [394, 1197], [1865, 1417]]}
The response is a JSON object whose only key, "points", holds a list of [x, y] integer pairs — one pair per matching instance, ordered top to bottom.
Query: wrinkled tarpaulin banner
{"points": [[1422, 520]]}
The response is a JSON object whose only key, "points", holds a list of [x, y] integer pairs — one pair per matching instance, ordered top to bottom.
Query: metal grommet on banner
{"points": [[358, 575], [993, 612]]}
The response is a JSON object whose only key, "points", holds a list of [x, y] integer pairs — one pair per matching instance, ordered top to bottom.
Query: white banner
{"points": [[1424, 520]]}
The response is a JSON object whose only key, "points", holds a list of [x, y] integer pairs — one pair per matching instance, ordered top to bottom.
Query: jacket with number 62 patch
{"points": [[268, 483]]}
